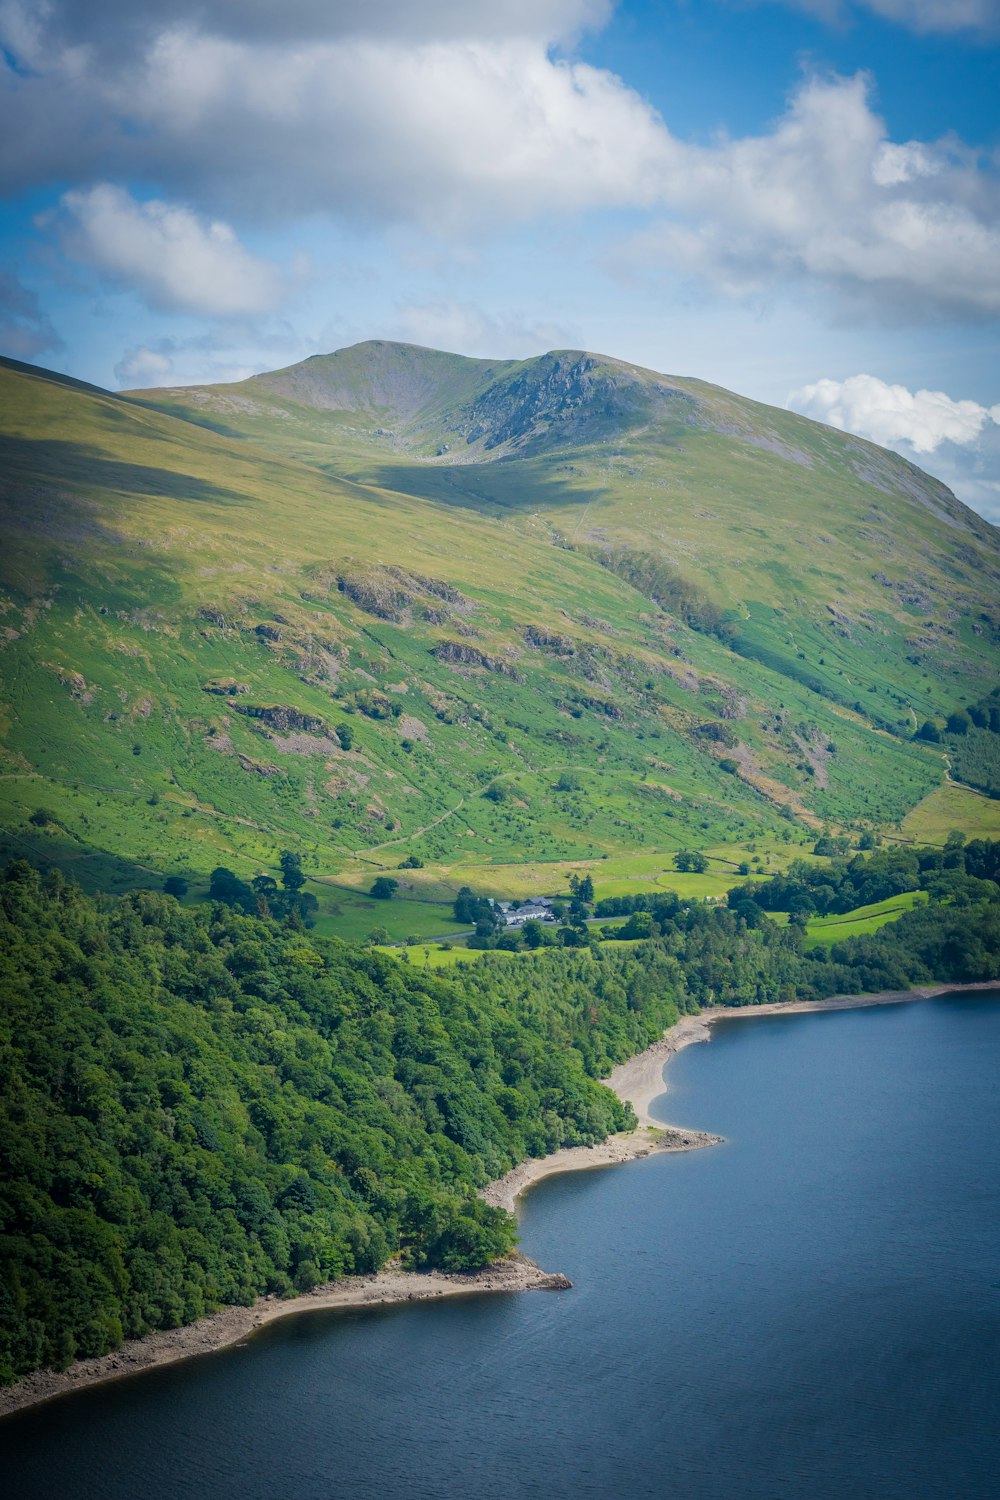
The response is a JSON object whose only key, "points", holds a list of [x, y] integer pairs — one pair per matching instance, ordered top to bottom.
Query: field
{"points": [[949, 809], [862, 919]]}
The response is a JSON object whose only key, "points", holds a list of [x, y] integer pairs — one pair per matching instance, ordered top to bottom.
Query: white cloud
{"points": [[340, 110], [464, 130], [443, 134], [911, 229], [176, 260], [145, 367], [890, 414], [962, 436]]}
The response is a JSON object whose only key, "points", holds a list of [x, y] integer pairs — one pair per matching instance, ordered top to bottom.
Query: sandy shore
{"points": [[639, 1081], [609, 1153], [231, 1325]]}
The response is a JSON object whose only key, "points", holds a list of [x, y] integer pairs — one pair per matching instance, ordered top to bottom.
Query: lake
{"points": [[810, 1310]]}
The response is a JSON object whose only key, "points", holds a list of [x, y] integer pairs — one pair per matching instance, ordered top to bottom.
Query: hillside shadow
{"points": [[194, 418], [59, 460], [491, 488], [92, 868]]}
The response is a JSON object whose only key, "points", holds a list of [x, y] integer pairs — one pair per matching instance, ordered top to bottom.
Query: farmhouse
{"points": [[538, 909]]}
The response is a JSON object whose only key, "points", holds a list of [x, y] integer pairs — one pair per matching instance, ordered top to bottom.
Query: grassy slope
{"points": [[142, 552]]}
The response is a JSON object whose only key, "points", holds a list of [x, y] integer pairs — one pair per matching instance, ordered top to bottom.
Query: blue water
{"points": [[810, 1310]]}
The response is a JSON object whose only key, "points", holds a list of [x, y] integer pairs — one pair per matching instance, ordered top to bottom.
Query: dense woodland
{"points": [[199, 1105]]}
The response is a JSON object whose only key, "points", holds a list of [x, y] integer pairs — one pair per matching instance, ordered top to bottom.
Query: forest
{"points": [[200, 1106]]}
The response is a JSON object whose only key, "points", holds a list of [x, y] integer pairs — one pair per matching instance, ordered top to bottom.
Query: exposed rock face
{"points": [[564, 396], [390, 593], [549, 640], [460, 653], [280, 716]]}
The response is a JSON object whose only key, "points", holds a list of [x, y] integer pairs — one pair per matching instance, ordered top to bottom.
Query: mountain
{"points": [[496, 616]]}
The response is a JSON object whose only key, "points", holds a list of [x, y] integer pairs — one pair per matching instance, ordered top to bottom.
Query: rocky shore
{"points": [[231, 1325]]}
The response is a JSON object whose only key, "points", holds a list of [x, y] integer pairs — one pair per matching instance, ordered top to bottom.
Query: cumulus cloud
{"points": [[338, 109], [440, 134], [911, 228], [176, 260], [144, 366], [890, 414], [961, 438]]}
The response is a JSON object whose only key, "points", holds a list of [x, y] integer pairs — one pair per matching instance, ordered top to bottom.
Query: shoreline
{"points": [[638, 1081], [611, 1152], [389, 1287]]}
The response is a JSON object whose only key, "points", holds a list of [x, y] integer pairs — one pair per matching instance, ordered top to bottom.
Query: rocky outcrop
{"points": [[461, 653], [280, 716]]}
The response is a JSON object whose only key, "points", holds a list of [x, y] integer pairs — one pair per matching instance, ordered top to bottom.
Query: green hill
{"points": [[497, 616]]}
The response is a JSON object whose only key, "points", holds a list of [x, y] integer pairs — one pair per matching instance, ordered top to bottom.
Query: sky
{"points": [[796, 199]]}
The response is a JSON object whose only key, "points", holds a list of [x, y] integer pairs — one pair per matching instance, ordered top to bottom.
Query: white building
{"points": [[538, 909]]}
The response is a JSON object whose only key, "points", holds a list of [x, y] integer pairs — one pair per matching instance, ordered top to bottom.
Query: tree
{"points": [[959, 723], [928, 731], [345, 735], [496, 792], [411, 862], [690, 862], [292, 877], [175, 885], [227, 887], [384, 888], [471, 909], [639, 925], [533, 933], [378, 935], [573, 937]]}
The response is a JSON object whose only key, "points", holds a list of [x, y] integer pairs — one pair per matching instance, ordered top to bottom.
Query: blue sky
{"points": [[797, 199]]}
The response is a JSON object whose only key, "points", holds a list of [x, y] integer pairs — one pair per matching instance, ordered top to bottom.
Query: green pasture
{"points": [[951, 808], [863, 919]]}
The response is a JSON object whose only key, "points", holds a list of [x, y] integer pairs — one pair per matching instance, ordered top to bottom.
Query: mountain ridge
{"points": [[580, 381], [634, 622]]}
